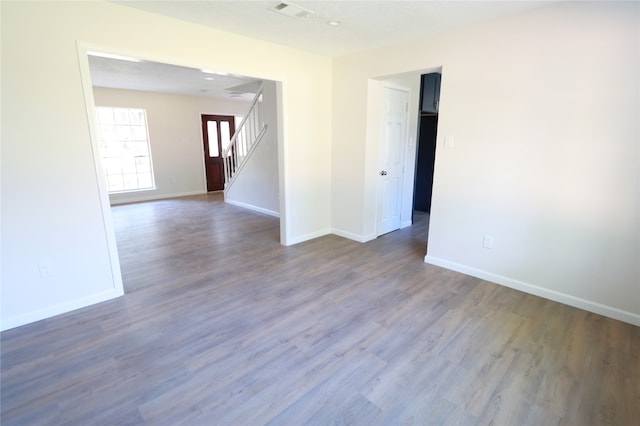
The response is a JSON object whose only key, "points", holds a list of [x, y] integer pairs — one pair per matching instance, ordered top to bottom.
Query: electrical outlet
{"points": [[487, 242], [46, 269]]}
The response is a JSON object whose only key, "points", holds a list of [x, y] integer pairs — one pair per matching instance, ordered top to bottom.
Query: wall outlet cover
{"points": [[487, 242]]}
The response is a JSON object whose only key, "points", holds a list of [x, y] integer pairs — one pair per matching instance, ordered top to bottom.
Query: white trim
{"points": [[390, 85], [283, 159], [101, 184], [153, 197], [254, 208], [352, 236], [306, 237], [556, 296], [58, 309]]}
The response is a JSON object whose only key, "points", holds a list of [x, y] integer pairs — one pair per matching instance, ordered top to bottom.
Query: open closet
{"points": [[428, 126]]}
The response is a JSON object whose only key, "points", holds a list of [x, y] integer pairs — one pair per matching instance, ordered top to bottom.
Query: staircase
{"points": [[244, 140]]}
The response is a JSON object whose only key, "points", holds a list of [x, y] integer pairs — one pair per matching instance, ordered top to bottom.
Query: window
{"points": [[124, 148]]}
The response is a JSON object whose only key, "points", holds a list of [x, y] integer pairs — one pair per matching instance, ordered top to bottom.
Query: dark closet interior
{"points": [[426, 146]]}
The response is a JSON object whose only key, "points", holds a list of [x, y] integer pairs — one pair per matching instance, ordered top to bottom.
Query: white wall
{"points": [[544, 110], [175, 136], [256, 185], [53, 212]]}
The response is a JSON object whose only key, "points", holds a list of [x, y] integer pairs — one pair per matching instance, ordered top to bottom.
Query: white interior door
{"points": [[395, 105]]}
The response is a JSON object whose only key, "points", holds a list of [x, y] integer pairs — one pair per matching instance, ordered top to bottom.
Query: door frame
{"points": [[82, 49], [373, 110], [206, 144]]}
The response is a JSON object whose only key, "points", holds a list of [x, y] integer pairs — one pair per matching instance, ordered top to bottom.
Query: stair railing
{"points": [[246, 137]]}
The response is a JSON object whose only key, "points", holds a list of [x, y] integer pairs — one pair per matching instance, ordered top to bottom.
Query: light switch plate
{"points": [[448, 142]]}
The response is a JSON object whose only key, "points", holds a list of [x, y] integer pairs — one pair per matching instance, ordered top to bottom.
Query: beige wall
{"points": [[543, 108], [175, 136], [52, 209]]}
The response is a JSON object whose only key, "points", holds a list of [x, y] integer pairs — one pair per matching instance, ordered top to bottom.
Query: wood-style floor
{"points": [[223, 325]]}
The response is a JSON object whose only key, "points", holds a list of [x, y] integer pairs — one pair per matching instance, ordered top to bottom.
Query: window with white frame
{"points": [[124, 148]]}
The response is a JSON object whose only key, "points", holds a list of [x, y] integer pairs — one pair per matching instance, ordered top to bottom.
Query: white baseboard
{"points": [[152, 197], [254, 208], [352, 236], [306, 237], [566, 299], [61, 308]]}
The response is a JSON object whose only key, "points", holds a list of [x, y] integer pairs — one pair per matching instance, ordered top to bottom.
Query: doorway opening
{"points": [[176, 124], [426, 144], [419, 158]]}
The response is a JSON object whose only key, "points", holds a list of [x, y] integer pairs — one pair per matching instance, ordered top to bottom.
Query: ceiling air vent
{"points": [[291, 10]]}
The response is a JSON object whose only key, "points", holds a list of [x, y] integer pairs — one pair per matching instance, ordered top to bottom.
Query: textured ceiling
{"points": [[364, 24], [164, 78]]}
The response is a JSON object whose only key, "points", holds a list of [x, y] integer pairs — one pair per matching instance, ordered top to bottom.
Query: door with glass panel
{"points": [[217, 131]]}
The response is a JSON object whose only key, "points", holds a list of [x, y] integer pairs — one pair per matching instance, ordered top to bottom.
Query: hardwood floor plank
{"points": [[221, 325], [346, 380], [345, 412]]}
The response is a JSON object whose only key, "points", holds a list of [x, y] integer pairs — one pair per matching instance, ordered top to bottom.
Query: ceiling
{"points": [[362, 25], [165, 78]]}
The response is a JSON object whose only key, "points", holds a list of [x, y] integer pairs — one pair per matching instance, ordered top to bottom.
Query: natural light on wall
{"points": [[124, 148]]}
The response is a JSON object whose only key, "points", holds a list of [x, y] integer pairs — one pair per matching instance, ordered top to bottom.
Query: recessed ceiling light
{"points": [[333, 23], [113, 56], [208, 71], [209, 78]]}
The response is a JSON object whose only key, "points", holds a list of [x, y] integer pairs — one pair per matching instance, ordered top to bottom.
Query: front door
{"points": [[395, 104], [217, 131]]}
